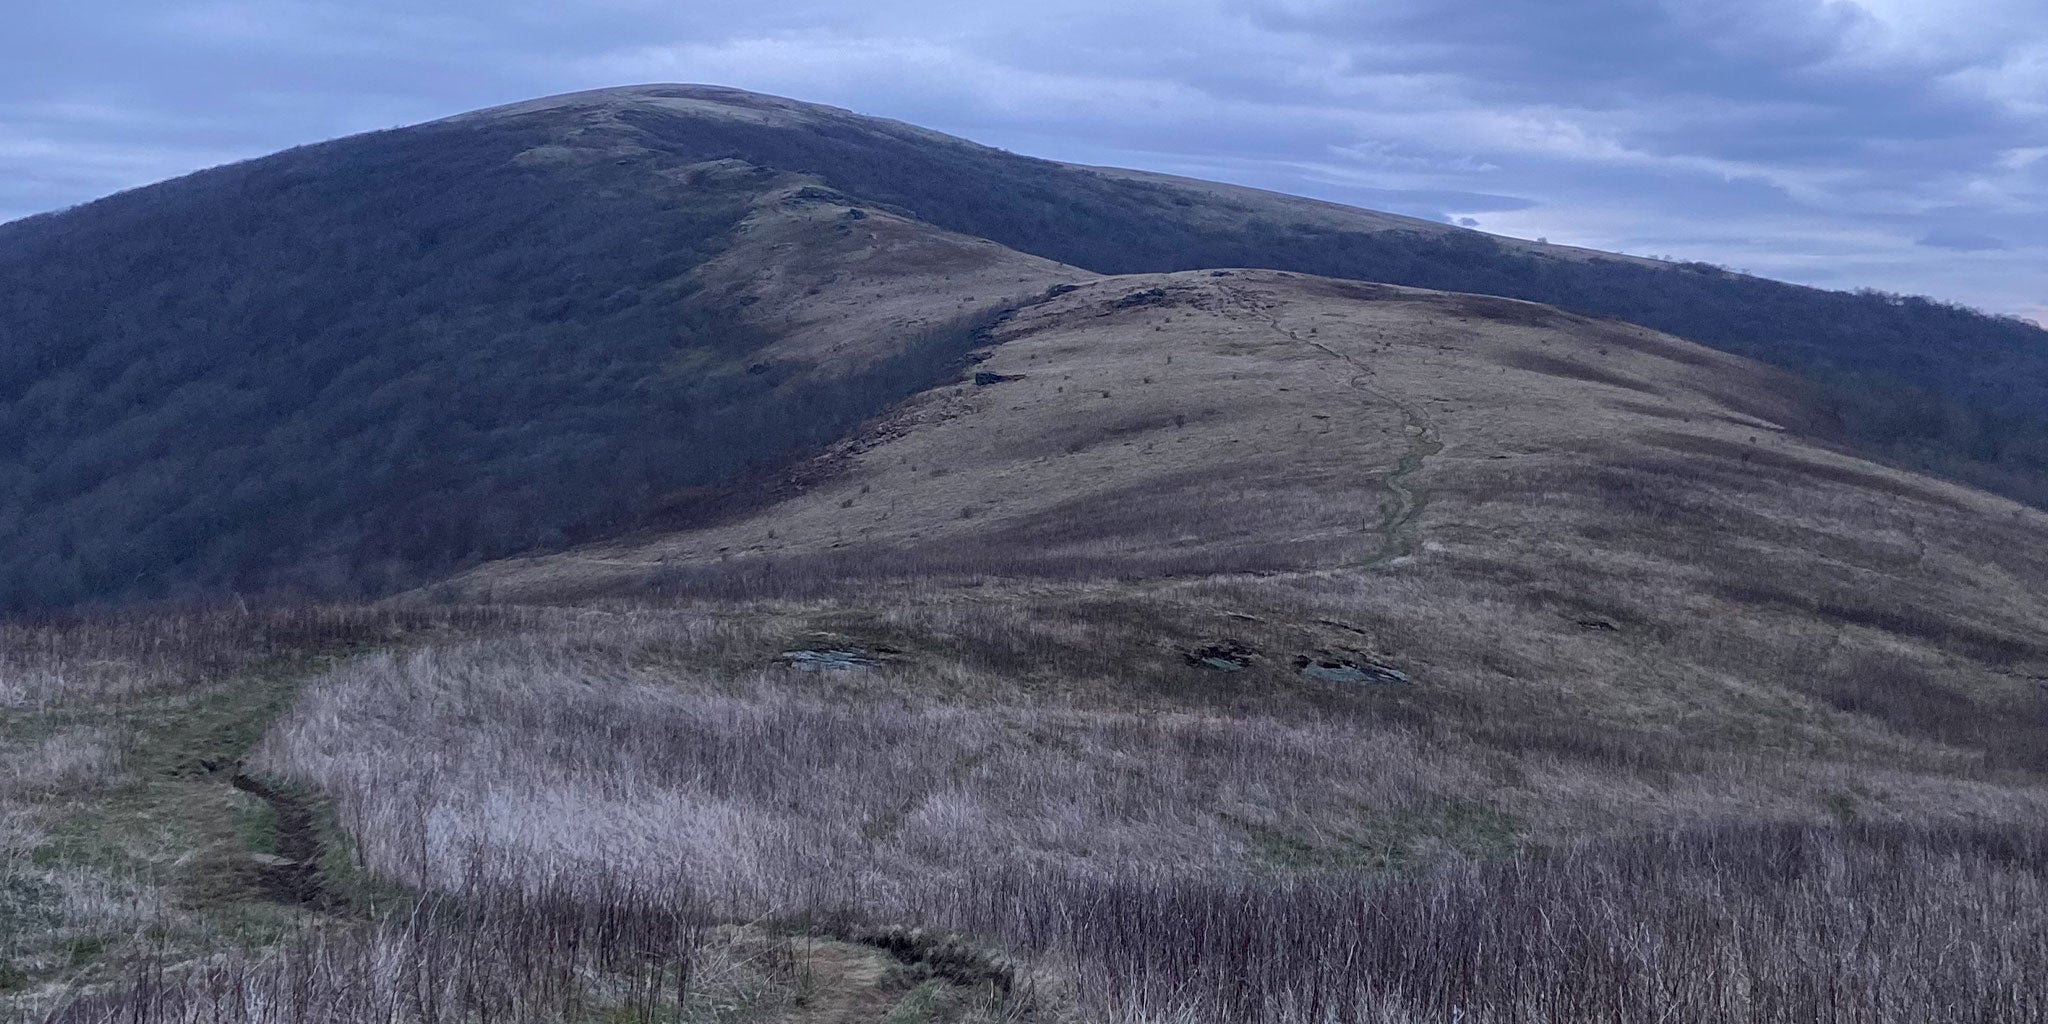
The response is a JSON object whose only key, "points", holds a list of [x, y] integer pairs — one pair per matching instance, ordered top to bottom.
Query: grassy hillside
{"points": [[1943, 387], [1562, 520], [1220, 645], [1256, 648]]}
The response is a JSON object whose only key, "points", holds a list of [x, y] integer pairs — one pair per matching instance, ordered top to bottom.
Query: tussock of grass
{"points": [[1759, 923]]}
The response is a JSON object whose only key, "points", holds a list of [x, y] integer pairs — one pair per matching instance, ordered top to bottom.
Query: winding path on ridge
{"points": [[1403, 501]]}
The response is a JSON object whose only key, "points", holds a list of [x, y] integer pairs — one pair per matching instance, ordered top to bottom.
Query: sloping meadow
{"points": [[610, 795]]}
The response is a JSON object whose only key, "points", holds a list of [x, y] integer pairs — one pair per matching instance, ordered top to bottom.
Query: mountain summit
{"points": [[350, 367]]}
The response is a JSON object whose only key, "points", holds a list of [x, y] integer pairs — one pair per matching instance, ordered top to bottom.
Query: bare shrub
{"points": [[97, 657], [771, 791], [1772, 924], [547, 949]]}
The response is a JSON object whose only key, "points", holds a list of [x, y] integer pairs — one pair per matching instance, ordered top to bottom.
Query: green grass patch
{"points": [[164, 820], [257, 825], [27, 905]]}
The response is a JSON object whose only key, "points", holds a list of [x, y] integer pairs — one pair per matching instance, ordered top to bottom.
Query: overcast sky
{"points": [[1898, 144]]}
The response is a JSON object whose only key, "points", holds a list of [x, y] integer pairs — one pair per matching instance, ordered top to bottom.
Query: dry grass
{"points": [[836, 283], [99, 658], [666, 742], [1044, 770], [624, 785], [113, 834], [1721, 924], [1769, 924]]}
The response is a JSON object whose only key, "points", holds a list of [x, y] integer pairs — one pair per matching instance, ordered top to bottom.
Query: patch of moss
{"points": [[256, 822]]}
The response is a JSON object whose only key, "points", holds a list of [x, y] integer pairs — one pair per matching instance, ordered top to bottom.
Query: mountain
{"points": [[343, 367], [349, 367], [841, 573]]}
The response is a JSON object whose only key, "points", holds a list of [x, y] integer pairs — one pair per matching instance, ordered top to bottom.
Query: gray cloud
{"points": [[1890, 143], [1963, 241]]}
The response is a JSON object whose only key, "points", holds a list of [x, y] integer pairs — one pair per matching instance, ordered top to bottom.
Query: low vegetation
{"points": [[648, 814], [119, 829]]}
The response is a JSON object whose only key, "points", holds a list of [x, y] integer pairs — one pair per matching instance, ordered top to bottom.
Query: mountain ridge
{"points": [[185, 368], [1929, 384], [798, 605]]}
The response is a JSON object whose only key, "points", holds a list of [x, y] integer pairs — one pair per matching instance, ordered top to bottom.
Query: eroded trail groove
{"points": [[1402, 500], [294, 873]]}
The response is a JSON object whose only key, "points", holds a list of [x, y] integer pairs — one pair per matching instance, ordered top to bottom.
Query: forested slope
{"points": [[347, 367]]}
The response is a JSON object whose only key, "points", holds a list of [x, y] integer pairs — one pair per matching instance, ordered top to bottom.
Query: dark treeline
{"points": [[346, 368], [1936, 385]]}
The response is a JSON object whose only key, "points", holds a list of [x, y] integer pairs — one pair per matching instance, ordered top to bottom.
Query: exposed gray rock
{"points": [[1223, 655], [844, 659], [1353, 670]]}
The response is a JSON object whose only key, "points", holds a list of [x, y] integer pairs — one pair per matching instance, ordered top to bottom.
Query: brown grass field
{"points": [[1261, 648]]}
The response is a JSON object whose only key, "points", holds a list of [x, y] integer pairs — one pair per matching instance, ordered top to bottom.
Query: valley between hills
{"points": [[1075, 642]]}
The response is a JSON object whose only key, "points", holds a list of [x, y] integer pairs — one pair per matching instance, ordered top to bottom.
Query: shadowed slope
{"points": [[348, 367]]}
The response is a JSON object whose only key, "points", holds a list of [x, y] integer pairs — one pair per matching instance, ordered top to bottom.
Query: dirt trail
{"points": [[1403, 501], [294, 873], [845, 984]]}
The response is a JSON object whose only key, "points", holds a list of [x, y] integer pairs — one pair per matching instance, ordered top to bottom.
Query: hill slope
{"points": [[350, 367], [1941, 386], [1523, 504], [1238, 636], [1220, 644]]}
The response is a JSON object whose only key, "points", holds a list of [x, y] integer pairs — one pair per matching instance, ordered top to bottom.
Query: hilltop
{"points": [[347, 368]]}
